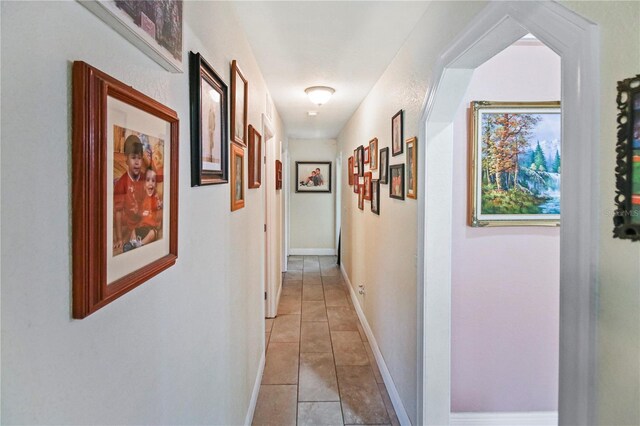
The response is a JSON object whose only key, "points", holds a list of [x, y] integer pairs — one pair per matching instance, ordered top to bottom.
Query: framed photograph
{"points": [[154, 27], [239, 105], [208, 110], [397, 133], [373, 154], [366, 155], [255, 158], [360, 161], [355, 162], [514, 164], [412, 167], [350, 170], [383, 173], [278, 174], [313, 176], [237, 178], [356, 183], [367, 186], [396, 188], [125, 189], [375, 196], [361, 197], [626, 220]]}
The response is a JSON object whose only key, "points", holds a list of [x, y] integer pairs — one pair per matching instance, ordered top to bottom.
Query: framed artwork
{"points": [[154, 27], [239, 105], [208, 110], [397, 133], [373, 154], [366, 155], [255, 158], [360, 161], [514, 164], [356, 166], [412, 167], [350, 170], [383, 173], [278, 174], [313, 176], [237, 177], [356, 183], [367, 186], [125, 189], [396, 189], [375, 196], [361, 197], [626, 220]]}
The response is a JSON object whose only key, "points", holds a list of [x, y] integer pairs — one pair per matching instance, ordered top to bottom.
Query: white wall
{"points": [[312, 215], [505, 281], [183, 348]]}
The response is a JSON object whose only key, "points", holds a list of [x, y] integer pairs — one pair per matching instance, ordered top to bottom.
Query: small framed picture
{"points": [[239, 105], [397, 133], [209, 138], [373, 154], [366, 155], [255, 158], [361, 161], [355, 162], [384, 166], [412, 167], [350, 170], [278, 174], [313, 176], [237, 178], [356, 184], [367, 186], [125, 188], [396, 188], [375, 196], [361, 197]]}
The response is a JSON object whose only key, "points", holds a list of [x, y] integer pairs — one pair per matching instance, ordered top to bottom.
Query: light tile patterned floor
{"points": [[319, 369]]}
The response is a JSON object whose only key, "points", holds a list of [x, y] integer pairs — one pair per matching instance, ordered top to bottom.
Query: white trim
{"points": [[576, 41], [269, 204], [312, 252], [256, 390], [401, 412], [535, 418]]}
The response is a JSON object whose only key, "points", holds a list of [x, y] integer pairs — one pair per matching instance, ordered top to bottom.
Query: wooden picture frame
{"points": [[137, 21], [208, 97], [239, 105], [397, 133], [360, 154], [373, 154], [366, 155], [255, 158], [514, 164], [356, 167], [412, 167], [350, 170], [383, 171], [278, 174], [313, 176], [237, 178], [396, 181], [367, 186], [125, 188], [361, 196], [375, 196], [626, 219]]}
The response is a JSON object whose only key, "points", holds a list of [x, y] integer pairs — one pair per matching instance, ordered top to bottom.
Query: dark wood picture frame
{"points": [[199, 71], [237, 78], [91, 90], [397, 133], [360, 150], [373, 154], [366, 155], [255, 158], [237, 159], [355, 162], [412, 167], [383, 169], [350, 170], [278, 174], [311, 185], [367, 186], [396, 188], [361, 196], [375, 196]]}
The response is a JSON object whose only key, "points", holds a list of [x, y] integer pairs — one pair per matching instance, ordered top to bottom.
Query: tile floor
{"points": [[319, 369]]}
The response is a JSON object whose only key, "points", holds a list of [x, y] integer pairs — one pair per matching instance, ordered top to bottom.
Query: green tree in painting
{"points": [[537, 160], [556, 163]]}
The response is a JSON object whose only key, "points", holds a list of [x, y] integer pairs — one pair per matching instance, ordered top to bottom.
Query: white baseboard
{"points": [[312, 252], [256, 390], [401, 412], [536, 418]]}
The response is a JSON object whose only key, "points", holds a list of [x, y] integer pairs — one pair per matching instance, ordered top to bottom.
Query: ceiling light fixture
{"points": [[319, 94], [312, 113]]}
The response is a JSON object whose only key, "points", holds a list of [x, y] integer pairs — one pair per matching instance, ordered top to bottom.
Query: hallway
{"points": [[319, 367]]}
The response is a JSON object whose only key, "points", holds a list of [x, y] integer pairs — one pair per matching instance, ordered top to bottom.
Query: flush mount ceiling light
{"points": [[319, 94], [312, 113]]}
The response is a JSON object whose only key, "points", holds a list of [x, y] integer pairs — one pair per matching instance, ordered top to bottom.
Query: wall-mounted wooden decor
{"points": [[239, 105], [255, 158], [278, 174]]}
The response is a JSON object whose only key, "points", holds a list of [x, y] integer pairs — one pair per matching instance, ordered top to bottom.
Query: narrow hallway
{"points": [[319, 367]]}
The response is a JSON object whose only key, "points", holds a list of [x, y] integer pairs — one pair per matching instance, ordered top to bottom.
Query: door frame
{"points": [[576, 41], [269, 203]]}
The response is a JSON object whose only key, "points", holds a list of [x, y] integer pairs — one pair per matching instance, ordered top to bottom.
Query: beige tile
{"points": [[296, 257], [328, 260], [295, 265], [330, 271], [311, 273], [293, 276], [312, 280], [336, 280], [291, 283], [291, 290], [312, 292], [335, 296], [289, 305], [313, 311], [342, 318], [268, 324], [286, 329], [363, 335], [314, 337], [266, 340], [348, 349], [374, 364], [281, 366], [317, 380], [361, 400], [388, 404], [276, 405], [319, 413]]}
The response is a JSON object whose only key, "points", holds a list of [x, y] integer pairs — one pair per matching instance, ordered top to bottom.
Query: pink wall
{"points": [[505, 281]]}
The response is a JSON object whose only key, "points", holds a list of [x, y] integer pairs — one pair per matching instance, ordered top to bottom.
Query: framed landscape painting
{"points": [[515, 163], [313, 176]]}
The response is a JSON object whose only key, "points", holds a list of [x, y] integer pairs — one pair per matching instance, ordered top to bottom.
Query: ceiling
{"points": [[345, 45]]}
